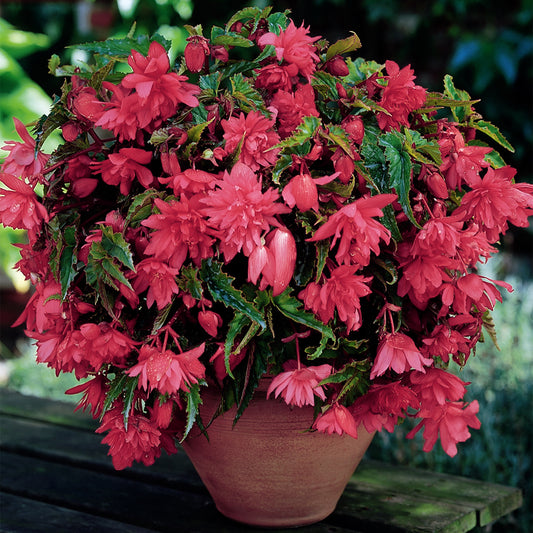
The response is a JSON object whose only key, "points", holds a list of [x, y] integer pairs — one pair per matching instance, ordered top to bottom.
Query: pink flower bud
{"points": [[196, 51], [219, 52], [337, 66], [354, 127], [70, 131], [437, 185], [302, 191], [283, 249], [256, 262], [210, 321]]}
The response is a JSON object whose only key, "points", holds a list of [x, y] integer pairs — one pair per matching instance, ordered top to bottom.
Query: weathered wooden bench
{"points": [[55, 476]]}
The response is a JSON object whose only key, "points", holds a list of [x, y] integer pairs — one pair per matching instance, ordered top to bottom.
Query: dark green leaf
{"points": [[244, 14], [233, 39], [122, 47], [210, 83], [326, 85], [304, 132], [399, 174], [140, 208], [117, 247], [68, 260], [190, 283], [222, 290], [237, 324], [128, 396], [193, 404]]}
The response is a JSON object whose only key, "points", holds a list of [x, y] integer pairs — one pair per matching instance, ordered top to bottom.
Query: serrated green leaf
{"points": [[243, 14], [278, 21], [233, 39], [344, 46], [122, 47], [53, 64], [210, 83], [326, 85], [248, 97], [462, 112], [195, 132], [304, 132], [493, 132], [338, 137], [419, 147], [399, 174], [141, 207], [116, 246], [68, 260], [113, 271], [190, 283], [222, 290], [292, 308], [161, 318], [236, 325], [490, 328], [128, 397], [194, 401]]}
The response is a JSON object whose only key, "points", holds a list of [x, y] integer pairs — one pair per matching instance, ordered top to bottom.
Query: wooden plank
{"points": [[62, 413], [120, 499], [491, 501], [391, 510], [23, 514]]}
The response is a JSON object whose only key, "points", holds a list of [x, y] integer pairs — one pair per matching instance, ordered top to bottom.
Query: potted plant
{"points": [[267, 221]]}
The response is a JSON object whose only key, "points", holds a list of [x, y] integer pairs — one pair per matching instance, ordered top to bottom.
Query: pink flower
{"points": [[295, 47], [273, 77], [158, 89], [400, 97], [293, 107], [255, 136], [22, 160], [461, 163], [125, 166], [191, 181], [495, 201], [19, 207], [240, 212], [180, 231], [359, 233], [159, 279], [342, 291], [210, 322], [398, 352], [167, 371], [299, 384], [436, 386], [94, 394], [382, 405], [337, 419], [450, 421], [140, 441]]}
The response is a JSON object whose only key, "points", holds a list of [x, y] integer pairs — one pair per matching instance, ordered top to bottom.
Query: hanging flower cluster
{"points": [[266, 205]]}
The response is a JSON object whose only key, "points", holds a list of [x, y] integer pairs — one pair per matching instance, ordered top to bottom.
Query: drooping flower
{"points": [[294, 46], [196, 52], [274, 77], [160, 90], [400, 97], [255, 136], [22, 160], [461, 163], [125, 166], [190, 181], [302, 191], [495, 201], [19, 207], [240, 211], [180, 231], [358, 232], [278, 267], [159, 279], [341, 292], [398, 352], [166, 371], [299, 384], [435, 385], [94, 394], [382, 405], [336, 419], [449, 421], [140, 441]]}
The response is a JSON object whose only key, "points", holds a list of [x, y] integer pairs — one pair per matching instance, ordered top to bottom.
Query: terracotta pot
{"points": [[267, 470]]}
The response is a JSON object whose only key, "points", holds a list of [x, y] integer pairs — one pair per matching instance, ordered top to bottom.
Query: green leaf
{"points": [[244, 14], [233, 39], [344, 46], [122, 47], [210, 83], [326, 85], [248, 97], [462, 112], [304, 132], [493, 132], [338, 137], [419, 147], [400, 166], [141, 208], [117, 247], [68, 260], [190, 283], [221, 289], [292, 309], [237, 324], [490, 327], [122, 386], [128, 397], [193, 408]]}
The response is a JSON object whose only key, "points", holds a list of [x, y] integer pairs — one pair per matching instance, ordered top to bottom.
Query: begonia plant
{"points": [[267, 204]]}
